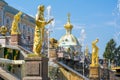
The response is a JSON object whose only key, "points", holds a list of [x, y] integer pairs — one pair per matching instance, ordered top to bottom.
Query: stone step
{"points": [[6, 75]]}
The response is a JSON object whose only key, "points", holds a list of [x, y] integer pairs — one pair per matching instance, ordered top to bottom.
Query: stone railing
{"points": [[25, 50], [7, 61], [11, 68], [67, 73], [107, 74], [6, 75]]}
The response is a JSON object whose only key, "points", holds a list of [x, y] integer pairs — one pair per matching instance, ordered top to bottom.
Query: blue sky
{"points": [[99, 18]]}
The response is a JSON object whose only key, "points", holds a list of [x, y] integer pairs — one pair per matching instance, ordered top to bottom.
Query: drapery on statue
{"points": [[15, 28], [39, 30], [95, 50]]}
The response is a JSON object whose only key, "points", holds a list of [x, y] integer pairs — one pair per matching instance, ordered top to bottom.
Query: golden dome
{"points": [[68, 25]]}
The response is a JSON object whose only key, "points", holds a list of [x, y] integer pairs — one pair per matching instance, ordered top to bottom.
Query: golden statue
{"points": [[15, 28], [3, 30], [39, 30], [53, 43], [95, 50], [8, 52], [16, 54]]}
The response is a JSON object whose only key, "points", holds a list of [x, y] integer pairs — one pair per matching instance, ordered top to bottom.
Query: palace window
{"points": [[23, 34]]}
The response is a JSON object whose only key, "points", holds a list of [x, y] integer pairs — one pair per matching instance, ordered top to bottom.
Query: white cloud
{"points": [[111, 23], [78, 26], [58, 28]]}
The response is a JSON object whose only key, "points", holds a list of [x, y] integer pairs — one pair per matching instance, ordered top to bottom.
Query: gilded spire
{"points": [[68, 18], [68, 25]]}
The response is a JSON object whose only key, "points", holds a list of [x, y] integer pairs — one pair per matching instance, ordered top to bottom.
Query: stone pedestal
{"points": [[15, 39], [3, 41], [52, 54], [105, 63], [36, 68], [94, 73]]}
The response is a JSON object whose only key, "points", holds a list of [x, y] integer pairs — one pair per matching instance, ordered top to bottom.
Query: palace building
{"points": [[26, 25]]}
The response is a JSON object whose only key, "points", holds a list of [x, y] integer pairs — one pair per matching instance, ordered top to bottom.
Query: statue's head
{"points": [[41, 8], [20, 13], [17, 16], [97, 40]]}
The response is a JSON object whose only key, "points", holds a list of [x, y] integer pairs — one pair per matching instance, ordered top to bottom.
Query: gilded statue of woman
{"points": [[15, 28], [39, 30], [95, 50]]}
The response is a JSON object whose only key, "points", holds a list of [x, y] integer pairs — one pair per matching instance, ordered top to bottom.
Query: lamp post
{"points": [[49, 26], [48, 31], [82, 38], [48, 42], [83, 59]]}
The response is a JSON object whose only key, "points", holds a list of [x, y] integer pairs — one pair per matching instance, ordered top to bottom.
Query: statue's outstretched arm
{"points": [[44, 21], [50, 21], [96, 41]]}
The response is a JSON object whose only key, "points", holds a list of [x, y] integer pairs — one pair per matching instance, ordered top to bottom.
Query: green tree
{"points": [[110, 50], [117, 56]]}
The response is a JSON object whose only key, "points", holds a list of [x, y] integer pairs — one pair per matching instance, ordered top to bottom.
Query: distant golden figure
{"points": [[15, 28], [3, 30], [39, 30], [53, 43], [95, 50], [16, 54]]}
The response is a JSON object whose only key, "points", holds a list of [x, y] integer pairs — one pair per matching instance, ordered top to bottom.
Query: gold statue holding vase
{"points": [[39, 30]]}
